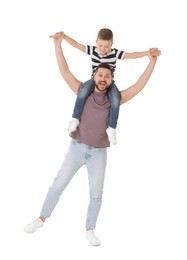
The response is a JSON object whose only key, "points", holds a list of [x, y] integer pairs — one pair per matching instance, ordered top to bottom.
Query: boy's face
{"points": [[103, 46]]}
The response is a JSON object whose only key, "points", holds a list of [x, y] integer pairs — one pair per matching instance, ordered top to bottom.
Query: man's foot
{"points": [[73, 125], [111, 135], [32, 227], [91, 237]]}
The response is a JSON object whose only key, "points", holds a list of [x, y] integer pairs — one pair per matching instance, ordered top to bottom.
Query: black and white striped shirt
{"points": [[110, 58]]}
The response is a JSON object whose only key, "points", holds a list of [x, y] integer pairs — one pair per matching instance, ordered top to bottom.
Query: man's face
{"points": [[103, 79]]}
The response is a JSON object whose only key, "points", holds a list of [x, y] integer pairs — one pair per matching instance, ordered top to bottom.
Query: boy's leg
{"points": [[83, 93], [114, 96]]}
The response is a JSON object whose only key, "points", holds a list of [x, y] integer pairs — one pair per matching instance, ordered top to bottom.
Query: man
{"points": [[103, 51], [89, 142]]}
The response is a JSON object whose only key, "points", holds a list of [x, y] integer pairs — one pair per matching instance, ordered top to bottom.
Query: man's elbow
{"points": [[64, 73]]}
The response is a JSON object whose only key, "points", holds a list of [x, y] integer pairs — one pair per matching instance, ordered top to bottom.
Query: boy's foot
{"points": [[73, 125], [111, 135], [32, 227], [91, 237]]}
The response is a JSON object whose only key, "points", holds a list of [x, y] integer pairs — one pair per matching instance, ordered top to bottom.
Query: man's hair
{"points": [[105, 34], [105, 66]]}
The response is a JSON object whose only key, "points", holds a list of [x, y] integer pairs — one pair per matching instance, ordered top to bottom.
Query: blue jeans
{"points": [[85, 91], [78, 155]]}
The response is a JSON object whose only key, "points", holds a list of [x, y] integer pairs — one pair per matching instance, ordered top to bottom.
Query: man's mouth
{"points": [[102, 83]]}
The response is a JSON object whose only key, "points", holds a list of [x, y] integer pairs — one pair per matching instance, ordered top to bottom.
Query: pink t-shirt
{"points": [[94, 121]]}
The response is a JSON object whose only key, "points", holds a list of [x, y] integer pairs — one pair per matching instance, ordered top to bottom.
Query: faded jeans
{"points": [[94, 159]]}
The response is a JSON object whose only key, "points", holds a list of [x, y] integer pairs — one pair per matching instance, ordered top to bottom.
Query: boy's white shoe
{"points": [[73, 125], [111, 135], [32, 227], [91, 237]]}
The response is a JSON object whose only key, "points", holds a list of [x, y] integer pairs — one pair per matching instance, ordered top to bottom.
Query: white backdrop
{"points": [[144, 213]]}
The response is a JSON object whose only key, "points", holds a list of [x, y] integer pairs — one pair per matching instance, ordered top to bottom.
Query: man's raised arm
{"points": [[69, 78], [133, 90]]}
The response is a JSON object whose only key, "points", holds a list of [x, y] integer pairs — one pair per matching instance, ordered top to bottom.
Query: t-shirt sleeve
{"points": [[89, 49]]}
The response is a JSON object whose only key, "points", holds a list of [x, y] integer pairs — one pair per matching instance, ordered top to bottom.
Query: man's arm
{"points": [[69, 78], [133, 90]]}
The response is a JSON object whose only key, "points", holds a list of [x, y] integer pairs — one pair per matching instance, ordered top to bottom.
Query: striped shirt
{"points": [[110, 58]]}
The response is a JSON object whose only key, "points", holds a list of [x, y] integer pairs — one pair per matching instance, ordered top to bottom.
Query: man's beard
{"points": [[101, 89]]}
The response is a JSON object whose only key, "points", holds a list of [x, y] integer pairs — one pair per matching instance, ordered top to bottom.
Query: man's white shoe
{"points": [[73, 125], [111, 135], [32, 227], [91, 237]]}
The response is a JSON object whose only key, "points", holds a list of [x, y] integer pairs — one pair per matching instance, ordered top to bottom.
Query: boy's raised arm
{"points": [[74, 43], [141, 54]]}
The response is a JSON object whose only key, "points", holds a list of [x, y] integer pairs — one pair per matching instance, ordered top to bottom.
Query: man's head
{"points": [[104, 41], [103, 77]]}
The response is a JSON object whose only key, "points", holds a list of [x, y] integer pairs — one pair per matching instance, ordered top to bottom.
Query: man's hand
{"points": [[155, 52]]}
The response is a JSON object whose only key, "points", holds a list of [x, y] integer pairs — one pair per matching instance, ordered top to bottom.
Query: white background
{"points": [[144, 214]]}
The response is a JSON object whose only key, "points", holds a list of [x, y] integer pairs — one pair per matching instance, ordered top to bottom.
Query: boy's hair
{"points": [[105, 34], [105, 66]]}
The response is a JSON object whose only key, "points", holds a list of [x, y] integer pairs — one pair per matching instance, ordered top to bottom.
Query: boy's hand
{"points": [[57, 35], [155, 52]]}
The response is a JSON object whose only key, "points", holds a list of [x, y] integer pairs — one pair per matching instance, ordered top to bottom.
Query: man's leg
{"points": [[73, 160], [96, 166]]}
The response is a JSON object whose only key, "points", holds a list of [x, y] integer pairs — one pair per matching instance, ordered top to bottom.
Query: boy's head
{"points": [[105, 35], [104, 41]]}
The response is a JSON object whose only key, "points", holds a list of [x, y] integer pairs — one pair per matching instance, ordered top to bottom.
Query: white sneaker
{"points": [[73, 125], [111, 135], [32, 227], [91, 237]]}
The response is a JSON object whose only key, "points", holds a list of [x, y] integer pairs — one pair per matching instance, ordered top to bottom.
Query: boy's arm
{"points": [[69, 40], [74, 43], [136, 55], [69, 78], [133, 90]]}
